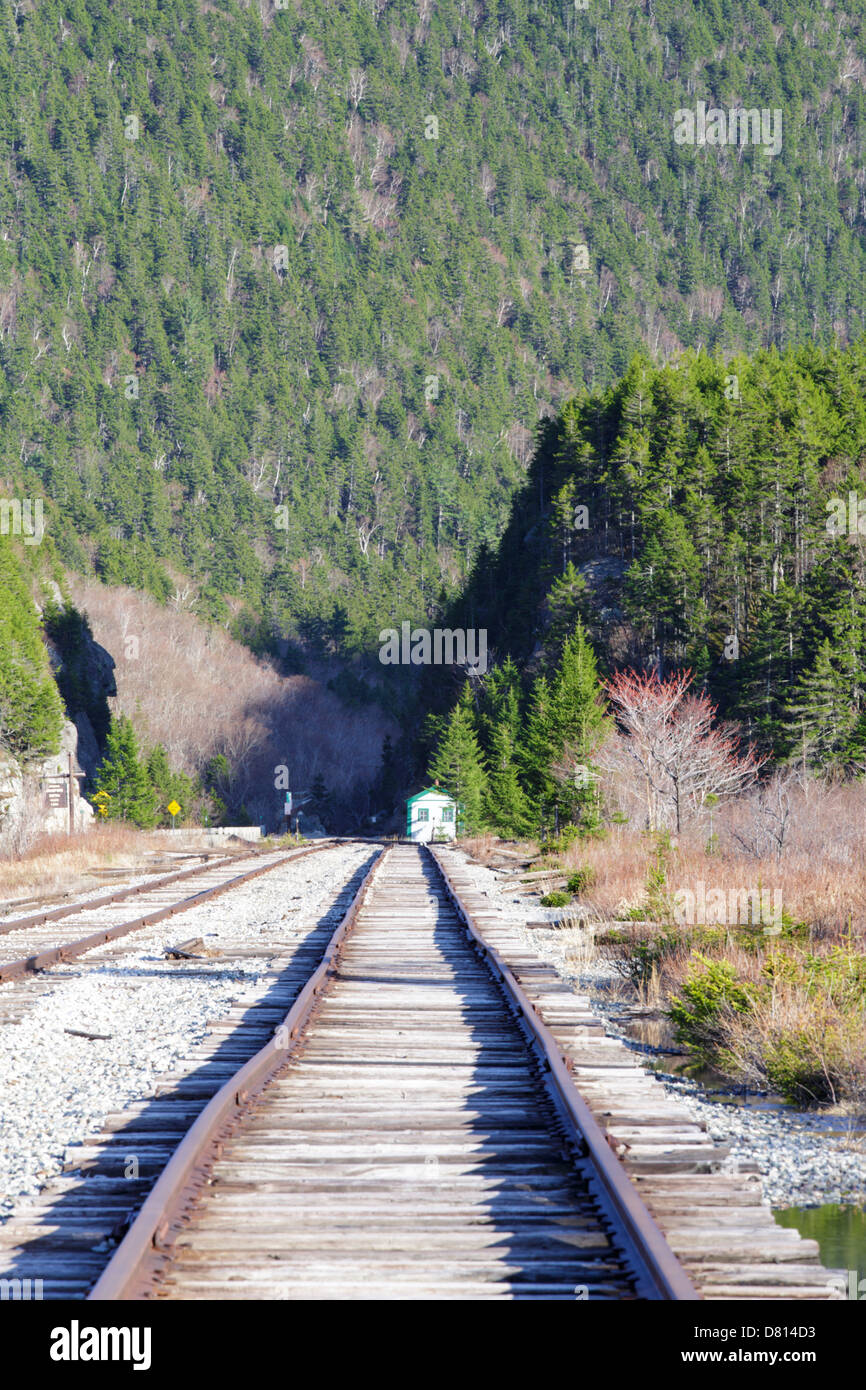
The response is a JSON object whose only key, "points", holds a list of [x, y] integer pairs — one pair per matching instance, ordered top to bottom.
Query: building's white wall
{"points": [[423, 830]]}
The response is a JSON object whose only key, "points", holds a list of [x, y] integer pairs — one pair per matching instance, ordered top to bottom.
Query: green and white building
{"points": [[431, 815]]}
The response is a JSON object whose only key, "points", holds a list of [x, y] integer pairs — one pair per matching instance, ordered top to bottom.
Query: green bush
{"points": [[557, 844], [581, 879], [557, 899], [638, 959], [839, 975], [710, 990], [796, 1065]]}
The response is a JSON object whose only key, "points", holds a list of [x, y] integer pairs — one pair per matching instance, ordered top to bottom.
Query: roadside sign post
{"points": [[60, 791], [173, 810]]}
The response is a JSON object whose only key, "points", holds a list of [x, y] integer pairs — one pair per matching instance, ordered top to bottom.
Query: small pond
{"points": [[840, 1233]]}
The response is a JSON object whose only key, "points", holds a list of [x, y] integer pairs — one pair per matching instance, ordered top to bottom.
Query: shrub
{"points": [[557, 844], [581, 879], [557, 899], [638, 955], [710, 991], [795, 1064]]}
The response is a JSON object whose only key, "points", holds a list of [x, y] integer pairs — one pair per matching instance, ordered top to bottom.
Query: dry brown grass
{"points": [[482, 848], [486, 848], [56, 864], [820, 872], [799, 1026], [804, 1029], [809, 1046]]}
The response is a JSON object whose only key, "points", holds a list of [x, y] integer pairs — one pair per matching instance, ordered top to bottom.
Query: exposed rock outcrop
{"points": [[84, 672], [25, 804]]}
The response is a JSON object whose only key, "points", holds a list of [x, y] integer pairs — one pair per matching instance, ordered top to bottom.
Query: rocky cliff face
{"points": [[34, 795], [29, 800]]}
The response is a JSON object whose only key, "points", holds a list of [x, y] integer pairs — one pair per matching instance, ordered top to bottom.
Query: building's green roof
{"points": [[430, 791]]}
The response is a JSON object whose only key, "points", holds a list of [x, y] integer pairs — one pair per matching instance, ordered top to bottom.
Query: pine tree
{"points": [[565, 606], [500, 701], [31, 710], [820, 718], [567, 724], [537, 751], [458, 765], [160, 774], [124, 778], [389, 782], [170, 786], [507, 807]]}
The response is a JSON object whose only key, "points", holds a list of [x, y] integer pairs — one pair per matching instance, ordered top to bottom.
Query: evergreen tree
{"points": [[566, 606], [31, 710], [820, 719], [567, 721], [458, 765], [124, 778], [390, 780], [171, 786], [318, 794], [507, 807]]}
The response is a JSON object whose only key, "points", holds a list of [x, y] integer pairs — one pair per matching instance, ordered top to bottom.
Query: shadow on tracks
{"points": [[80, 1229], [553, 1241]]}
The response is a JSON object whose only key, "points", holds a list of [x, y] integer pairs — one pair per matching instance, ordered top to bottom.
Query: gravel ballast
{"points": [[56, 1087], [801, 1162]]}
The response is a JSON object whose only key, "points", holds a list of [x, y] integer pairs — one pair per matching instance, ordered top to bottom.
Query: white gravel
{"points": [[96, 887], [56, 1089], [805, 1158]]}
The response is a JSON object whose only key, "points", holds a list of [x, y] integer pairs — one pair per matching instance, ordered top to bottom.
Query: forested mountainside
{"points": [[285, 290], [706, 515]]}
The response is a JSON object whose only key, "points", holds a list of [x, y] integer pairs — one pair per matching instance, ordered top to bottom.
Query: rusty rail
{"points": [[54, 914], [69, 950], [659, 1270], [127, 1274]]}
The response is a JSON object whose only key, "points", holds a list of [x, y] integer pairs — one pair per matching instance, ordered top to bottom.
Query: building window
{"points": [[447, 812], [422, 813]]}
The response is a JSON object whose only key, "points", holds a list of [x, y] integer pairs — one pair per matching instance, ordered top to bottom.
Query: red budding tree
{"points": [[671, 739]]}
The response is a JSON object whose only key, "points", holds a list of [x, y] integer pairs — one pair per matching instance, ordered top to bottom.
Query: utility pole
{"points": [[72, 789]]}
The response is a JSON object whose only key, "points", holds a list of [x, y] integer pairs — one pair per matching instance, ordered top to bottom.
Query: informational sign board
{"points": [[56, 791], [287, 809]]}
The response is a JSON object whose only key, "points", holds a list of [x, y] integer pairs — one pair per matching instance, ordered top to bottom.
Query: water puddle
{"points": [[655, 1035], [841, 1235]]}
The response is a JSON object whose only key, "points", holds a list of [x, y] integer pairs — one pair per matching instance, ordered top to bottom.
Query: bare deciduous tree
{"points": [[671, 739], [770, 816]]}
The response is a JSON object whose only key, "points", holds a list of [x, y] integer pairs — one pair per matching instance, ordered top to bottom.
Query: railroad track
{"points": [[43, 914], [31, 945], [410, 1130], [63, 1236]]}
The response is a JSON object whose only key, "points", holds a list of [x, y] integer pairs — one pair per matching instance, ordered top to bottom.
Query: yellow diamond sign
{"points": [[172, 808]]}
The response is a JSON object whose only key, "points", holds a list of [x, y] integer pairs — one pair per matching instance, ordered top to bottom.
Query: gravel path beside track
{"points": [[56, 1087], [805, 1158]]}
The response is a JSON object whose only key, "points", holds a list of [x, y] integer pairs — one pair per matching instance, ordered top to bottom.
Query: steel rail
{"points": [[38, 919], [70, 950], [659, 1269], [127, 1275]]}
